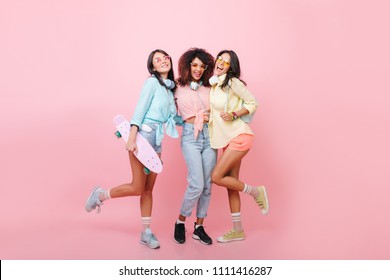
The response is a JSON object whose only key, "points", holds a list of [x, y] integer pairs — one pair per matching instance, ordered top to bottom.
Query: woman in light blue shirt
{"points": [[154, 113]]}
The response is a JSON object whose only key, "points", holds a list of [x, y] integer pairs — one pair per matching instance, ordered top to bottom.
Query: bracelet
{"points": [[235, 116], [135, 125]]}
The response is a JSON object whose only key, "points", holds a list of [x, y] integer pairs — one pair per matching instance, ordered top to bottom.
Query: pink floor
{"points": [[68, 232], [114, 234]]}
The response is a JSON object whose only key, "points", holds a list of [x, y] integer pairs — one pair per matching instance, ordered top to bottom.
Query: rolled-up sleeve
{"points": [[250, 102]]}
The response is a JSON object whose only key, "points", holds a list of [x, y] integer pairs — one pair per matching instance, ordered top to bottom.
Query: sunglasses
{"points": [[163, 58], [225, 62], [201, 66]]}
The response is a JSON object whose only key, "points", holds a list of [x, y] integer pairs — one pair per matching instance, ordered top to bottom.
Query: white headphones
{"points": [[213, 80], [169, 84], [195, 85]]}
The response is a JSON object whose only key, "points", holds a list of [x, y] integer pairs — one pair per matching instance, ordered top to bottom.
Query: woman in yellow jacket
{"points": [[229, 101]]}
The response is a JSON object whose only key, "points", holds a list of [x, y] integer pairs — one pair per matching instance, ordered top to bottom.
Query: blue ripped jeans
{"points": [[200, 159]]}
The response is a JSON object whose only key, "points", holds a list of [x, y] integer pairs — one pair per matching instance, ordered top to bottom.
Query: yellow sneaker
{"points": [[262, 200], [232, 235]]}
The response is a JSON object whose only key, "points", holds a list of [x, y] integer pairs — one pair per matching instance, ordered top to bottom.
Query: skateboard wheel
{"points": [[118, 134], [146, 171]]}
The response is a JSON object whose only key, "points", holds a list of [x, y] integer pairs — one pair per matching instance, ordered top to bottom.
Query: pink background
{"points": [[319, 68]]}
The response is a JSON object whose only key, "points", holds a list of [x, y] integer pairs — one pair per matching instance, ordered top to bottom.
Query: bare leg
{"points": [[228, 161], [226, 174], [137, 186], [234, 196], [146, 199], [182, 218], [199, 221]]}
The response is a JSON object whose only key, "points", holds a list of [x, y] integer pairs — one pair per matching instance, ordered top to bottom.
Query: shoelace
{"points": [[259, 201], [97, 204], [185, 230], [201, 232], [230, 233], [152, 237]]}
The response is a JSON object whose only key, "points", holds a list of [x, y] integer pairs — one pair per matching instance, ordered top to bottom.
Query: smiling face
{"points": [[162, 64], [222, 64], [197, 69]]}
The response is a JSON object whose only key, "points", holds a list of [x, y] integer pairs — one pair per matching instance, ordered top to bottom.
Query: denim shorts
{"points": [[151, 136]]}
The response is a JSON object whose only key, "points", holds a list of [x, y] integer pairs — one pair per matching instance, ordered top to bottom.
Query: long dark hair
{"points": [[150, 66], [185, 67], [234, 70]]}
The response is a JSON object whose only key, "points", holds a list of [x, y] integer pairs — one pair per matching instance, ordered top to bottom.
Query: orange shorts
{"points": [[242, 142]]}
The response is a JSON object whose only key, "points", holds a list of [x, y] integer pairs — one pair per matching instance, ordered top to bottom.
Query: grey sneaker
{"points": [[93, 200], [149, 239]]}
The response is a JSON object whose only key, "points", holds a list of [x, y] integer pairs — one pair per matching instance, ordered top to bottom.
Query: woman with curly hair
{"points": [[193, 105]]}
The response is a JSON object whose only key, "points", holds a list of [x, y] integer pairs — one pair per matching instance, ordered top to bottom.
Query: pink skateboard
{"points": [[146, 154]]}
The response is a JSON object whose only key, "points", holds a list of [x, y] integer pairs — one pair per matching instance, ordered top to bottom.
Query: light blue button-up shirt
{"points": [[156, 105]]}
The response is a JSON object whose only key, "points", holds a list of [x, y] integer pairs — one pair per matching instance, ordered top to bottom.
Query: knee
{"points": [[216, 178], [147, 190], [138, 192], [193, 192], [206, 192], [147, 193]]}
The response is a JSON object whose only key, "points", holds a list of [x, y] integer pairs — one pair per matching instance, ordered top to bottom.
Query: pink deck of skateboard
{"points": [[146, 154]]}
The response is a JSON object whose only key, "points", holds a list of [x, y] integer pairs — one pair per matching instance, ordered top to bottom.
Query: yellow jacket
{"points": [[228, 99]]}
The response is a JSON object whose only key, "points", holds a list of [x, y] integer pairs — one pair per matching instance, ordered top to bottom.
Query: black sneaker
{"points": [[180, 233], [201, 235]]}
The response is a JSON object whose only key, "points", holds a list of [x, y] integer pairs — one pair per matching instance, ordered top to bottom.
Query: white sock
{"points": [[251, 190], [104, 196], [236, 218], [146, 221], [180, 222], [198, 225]]}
